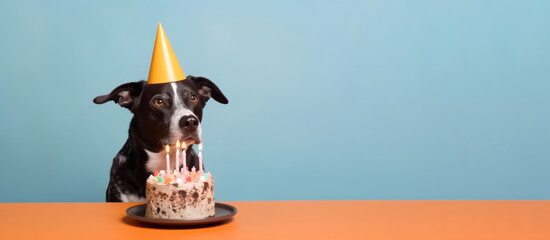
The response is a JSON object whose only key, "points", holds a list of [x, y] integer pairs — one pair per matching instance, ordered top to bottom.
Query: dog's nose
{"points": [[189, 123]]}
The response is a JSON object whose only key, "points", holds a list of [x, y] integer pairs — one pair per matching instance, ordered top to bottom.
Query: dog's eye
{"points": [[193, 98], [158, 102]]}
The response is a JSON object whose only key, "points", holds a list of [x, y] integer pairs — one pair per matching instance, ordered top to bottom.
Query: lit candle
{"points": [[177, 155], [184, 156], [200, 157], [167, 159]]}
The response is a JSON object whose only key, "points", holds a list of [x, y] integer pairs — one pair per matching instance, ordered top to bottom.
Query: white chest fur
{"points": [[157, 161], [131, 198]]}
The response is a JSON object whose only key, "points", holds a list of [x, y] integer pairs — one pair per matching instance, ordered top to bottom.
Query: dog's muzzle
{"points": [[190, 129]]}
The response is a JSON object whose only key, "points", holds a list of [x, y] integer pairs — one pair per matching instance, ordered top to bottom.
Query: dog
{"points": [[163, 114]]}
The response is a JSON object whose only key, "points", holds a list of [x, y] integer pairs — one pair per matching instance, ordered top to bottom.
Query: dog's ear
{"points": [[208, 89], [125, 95]]}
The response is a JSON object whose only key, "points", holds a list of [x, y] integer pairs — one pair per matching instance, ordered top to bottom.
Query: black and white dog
{"points": [[163, 114]]}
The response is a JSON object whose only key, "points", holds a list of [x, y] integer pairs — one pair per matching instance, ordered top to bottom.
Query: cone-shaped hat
{"points": [[165, 67]]}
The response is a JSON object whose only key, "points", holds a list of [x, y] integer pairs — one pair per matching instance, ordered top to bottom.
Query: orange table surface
{"points": [[291, 220]]}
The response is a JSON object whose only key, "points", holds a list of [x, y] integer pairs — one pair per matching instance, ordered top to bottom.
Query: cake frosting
{"points": [[183, 195]]}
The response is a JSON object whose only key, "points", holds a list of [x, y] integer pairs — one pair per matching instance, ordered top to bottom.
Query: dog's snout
{"points": [[189, 123]]}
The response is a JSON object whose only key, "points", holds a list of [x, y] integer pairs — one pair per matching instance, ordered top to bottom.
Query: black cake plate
{"points": [[223, 212]]}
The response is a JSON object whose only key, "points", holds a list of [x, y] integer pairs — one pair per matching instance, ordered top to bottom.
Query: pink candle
{"points": [[177, 155], [200, 157], [167, 159], [184, 160]]}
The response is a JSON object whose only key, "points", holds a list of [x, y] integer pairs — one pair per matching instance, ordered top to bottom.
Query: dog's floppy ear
{"points": [[208, 89], [125, 95]]}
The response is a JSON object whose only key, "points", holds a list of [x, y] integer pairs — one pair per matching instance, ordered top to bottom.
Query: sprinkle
{"points": [[193, 169], [162, 172], [156, 173], [205, 175], [209, 175], [151, 176], [202, 178], [160, 179], [188, 179], [179, 180]]}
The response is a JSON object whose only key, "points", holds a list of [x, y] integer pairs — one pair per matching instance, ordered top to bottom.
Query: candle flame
{"points": [[178, 144], [183, 145], [167, 148]]}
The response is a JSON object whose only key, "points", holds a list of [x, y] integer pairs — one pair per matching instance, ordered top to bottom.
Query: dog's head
{"points": [[165, 113]]}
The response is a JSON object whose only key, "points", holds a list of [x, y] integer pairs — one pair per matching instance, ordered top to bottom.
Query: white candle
{"points": [[177, 155], [184, 156], [200, 157], [167, 159]]}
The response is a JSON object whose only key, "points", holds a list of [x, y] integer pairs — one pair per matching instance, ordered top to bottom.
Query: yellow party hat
{"points": [[165, 67]]}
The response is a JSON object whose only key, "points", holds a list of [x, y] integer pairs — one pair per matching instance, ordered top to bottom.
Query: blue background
{"points": [[333, 100]]}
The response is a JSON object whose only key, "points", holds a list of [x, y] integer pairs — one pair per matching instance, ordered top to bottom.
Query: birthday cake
{"points": [[180, 195]]}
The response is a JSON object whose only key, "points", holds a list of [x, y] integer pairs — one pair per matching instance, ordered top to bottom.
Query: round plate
{"points": [[223, 212]]}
